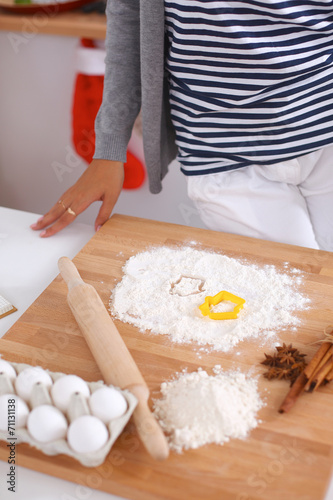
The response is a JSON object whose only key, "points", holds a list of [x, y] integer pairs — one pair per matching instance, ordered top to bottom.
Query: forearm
{"points": [[122, 83]]}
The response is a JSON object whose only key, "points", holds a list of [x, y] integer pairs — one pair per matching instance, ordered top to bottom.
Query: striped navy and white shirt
{"points": [[251, 82]]}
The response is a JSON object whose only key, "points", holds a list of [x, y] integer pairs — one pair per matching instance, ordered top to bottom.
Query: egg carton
{"points": [[40, 395]]}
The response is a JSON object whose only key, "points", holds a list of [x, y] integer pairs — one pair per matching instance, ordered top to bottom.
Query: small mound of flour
{"points": [[162, 288], [198, 409]]}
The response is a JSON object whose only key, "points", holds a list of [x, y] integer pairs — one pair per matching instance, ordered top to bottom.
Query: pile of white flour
{"points": [[162, 288], [198, 409]]}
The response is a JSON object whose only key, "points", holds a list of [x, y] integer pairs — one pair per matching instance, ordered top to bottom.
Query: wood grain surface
{"points": [[51, 22], [287, 456]]}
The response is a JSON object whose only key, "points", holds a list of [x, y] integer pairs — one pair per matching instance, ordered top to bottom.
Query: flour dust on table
{"points": [[162, 289], [198, 409]]}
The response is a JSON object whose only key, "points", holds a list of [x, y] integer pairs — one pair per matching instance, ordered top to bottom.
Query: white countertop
{"points": [[27, 265]]}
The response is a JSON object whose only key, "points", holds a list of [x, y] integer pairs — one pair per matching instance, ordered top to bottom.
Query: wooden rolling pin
{"points": [[111, 354]]}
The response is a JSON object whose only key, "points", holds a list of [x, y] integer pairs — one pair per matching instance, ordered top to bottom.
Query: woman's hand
{"points": [[101, 181]]}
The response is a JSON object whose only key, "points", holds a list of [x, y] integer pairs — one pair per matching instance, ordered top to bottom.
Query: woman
{"points": [[244, 89]]}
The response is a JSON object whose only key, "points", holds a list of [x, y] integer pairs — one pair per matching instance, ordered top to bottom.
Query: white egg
{"points": [[8, 369], [28, 377], [64, 387], [107, 403], [13, 412], [46, 423], [87, 434]]}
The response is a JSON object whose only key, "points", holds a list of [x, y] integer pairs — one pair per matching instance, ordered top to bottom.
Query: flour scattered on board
{"points": [[162, 288], [197, 409]]}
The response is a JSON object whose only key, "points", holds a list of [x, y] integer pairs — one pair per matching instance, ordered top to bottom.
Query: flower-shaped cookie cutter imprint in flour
{"points": [[205, 308]]}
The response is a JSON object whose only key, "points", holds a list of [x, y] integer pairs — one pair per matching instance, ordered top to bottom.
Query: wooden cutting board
{"points": [[286, 456]]}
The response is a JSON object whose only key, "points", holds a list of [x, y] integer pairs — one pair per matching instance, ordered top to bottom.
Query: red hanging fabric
{"points": [[87, 99]]}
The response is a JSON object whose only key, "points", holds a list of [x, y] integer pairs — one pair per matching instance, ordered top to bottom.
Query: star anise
{"points": [[284, 349], [299, 357], [287, 358], [270, 360], [286, 364], [299, 365], [271, 373], [284, 373]]}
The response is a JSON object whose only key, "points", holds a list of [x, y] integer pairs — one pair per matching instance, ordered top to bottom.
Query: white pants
{"points": [[289, 202]]}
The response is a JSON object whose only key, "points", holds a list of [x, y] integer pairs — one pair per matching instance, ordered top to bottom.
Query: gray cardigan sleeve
{"points": [[122, 84]]}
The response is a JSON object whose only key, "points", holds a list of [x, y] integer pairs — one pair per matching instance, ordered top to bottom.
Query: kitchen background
{"points": [[37, 158]]}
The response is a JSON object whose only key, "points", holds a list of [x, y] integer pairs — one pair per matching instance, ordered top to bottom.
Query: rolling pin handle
{"points": [[69, 273], [148, 428]]}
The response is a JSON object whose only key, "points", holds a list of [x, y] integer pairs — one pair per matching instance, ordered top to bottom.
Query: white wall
{"points": [[37, 75]]}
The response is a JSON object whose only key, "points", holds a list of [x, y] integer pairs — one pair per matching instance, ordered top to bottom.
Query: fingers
{"points": [[104, 213], [69, 215], [60, 216], [46, 220], [62, 222]]}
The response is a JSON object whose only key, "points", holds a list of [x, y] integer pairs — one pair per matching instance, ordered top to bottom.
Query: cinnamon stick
{"points": [[313, 364], [321, 374], [329, 376], [299, 385], [309, 386], [295, 390]]}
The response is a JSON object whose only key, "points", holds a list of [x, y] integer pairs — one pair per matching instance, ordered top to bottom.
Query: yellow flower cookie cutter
{"points": [[219, 297]]}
